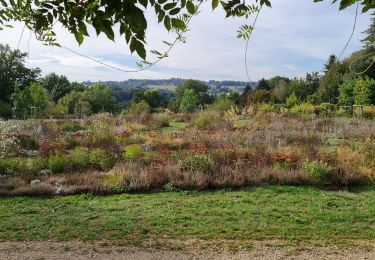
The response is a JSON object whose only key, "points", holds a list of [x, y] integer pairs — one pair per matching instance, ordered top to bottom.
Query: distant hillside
{"points": [[169, 84]]}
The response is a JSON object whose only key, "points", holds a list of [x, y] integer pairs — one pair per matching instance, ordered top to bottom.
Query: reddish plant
{"points": [[47, 148], [198, 148]]}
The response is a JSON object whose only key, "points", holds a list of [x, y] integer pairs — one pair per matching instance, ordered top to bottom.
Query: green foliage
{"points": [[13, 71], [263, 84], [58, 86], [304, 87], [329, 88], [364, 91], [195, 92], [39, 96], [258, 96], [346, 96], [235, 97], [100, 98], [153, 98], [292, 100], [189, 101], [67, 104], [222, 104], [266, 107], [82, 108], [139, 109], [303, 109], [325, 109], [5, 110], [369, 112], [160, 120], [207, 120], [133, 151], [79, 158], [102, 159], [56, 163], [193, 163], [22, 165], [281, 165], [318, 170]]}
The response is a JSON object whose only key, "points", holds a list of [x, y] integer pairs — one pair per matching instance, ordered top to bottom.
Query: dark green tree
{"points": [[369, 40], [331, 60], [13, 72], [276, 79], [263, 84], [57, 86], [199, 88], [328, 90], [246, 92], [259, 96], [101, 98], [153, 98]]}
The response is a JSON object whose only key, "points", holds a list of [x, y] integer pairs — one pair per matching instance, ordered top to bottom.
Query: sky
{"points": [[290, 39]]}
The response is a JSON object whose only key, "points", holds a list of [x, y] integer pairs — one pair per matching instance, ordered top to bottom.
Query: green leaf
{"points": [[215, 3], [169, 6], [190, 7], [175, 11], [161, 16], [167, 23], [179, 24], [79, 37], [138, 46]]}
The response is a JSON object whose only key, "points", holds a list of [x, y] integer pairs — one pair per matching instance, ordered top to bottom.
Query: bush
{"points": [[222, 105], [266, 107], [139, 109], [303, 109], [325, 109], [369, 112], [160, 120], [208, 120], [71, 126], [133, 151], [79, 158], [102, 159], [56, 163], [194, 163], [22, 165], [318, 170]]}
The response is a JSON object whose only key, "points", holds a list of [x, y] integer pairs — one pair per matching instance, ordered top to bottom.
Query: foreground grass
{"points": [[265, 213]]}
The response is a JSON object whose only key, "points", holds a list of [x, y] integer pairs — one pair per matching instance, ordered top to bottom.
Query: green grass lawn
{"points": [[174, 126], [297, 214]]}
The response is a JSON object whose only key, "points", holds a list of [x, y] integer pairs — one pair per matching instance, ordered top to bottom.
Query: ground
{"points": [[263, 222], [94, 250]]}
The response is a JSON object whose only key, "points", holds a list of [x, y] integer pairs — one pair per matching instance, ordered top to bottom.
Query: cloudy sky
{"points": [[292, 38]]}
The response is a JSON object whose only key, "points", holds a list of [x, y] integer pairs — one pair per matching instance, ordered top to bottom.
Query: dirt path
{"points": [[97, 250]]}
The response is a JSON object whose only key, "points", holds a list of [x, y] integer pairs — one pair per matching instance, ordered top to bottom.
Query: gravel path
{"points": [[96, 250]]}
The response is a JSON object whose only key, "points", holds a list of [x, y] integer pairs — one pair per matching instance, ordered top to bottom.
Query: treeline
{"points": [[139, 83], [345, 83], [25, 92]]}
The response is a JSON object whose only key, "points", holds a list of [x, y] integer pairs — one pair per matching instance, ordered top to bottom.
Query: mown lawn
{"points": [[297, 214]]}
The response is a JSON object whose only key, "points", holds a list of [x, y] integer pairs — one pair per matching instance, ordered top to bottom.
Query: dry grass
{"points": [[267, 148]]}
